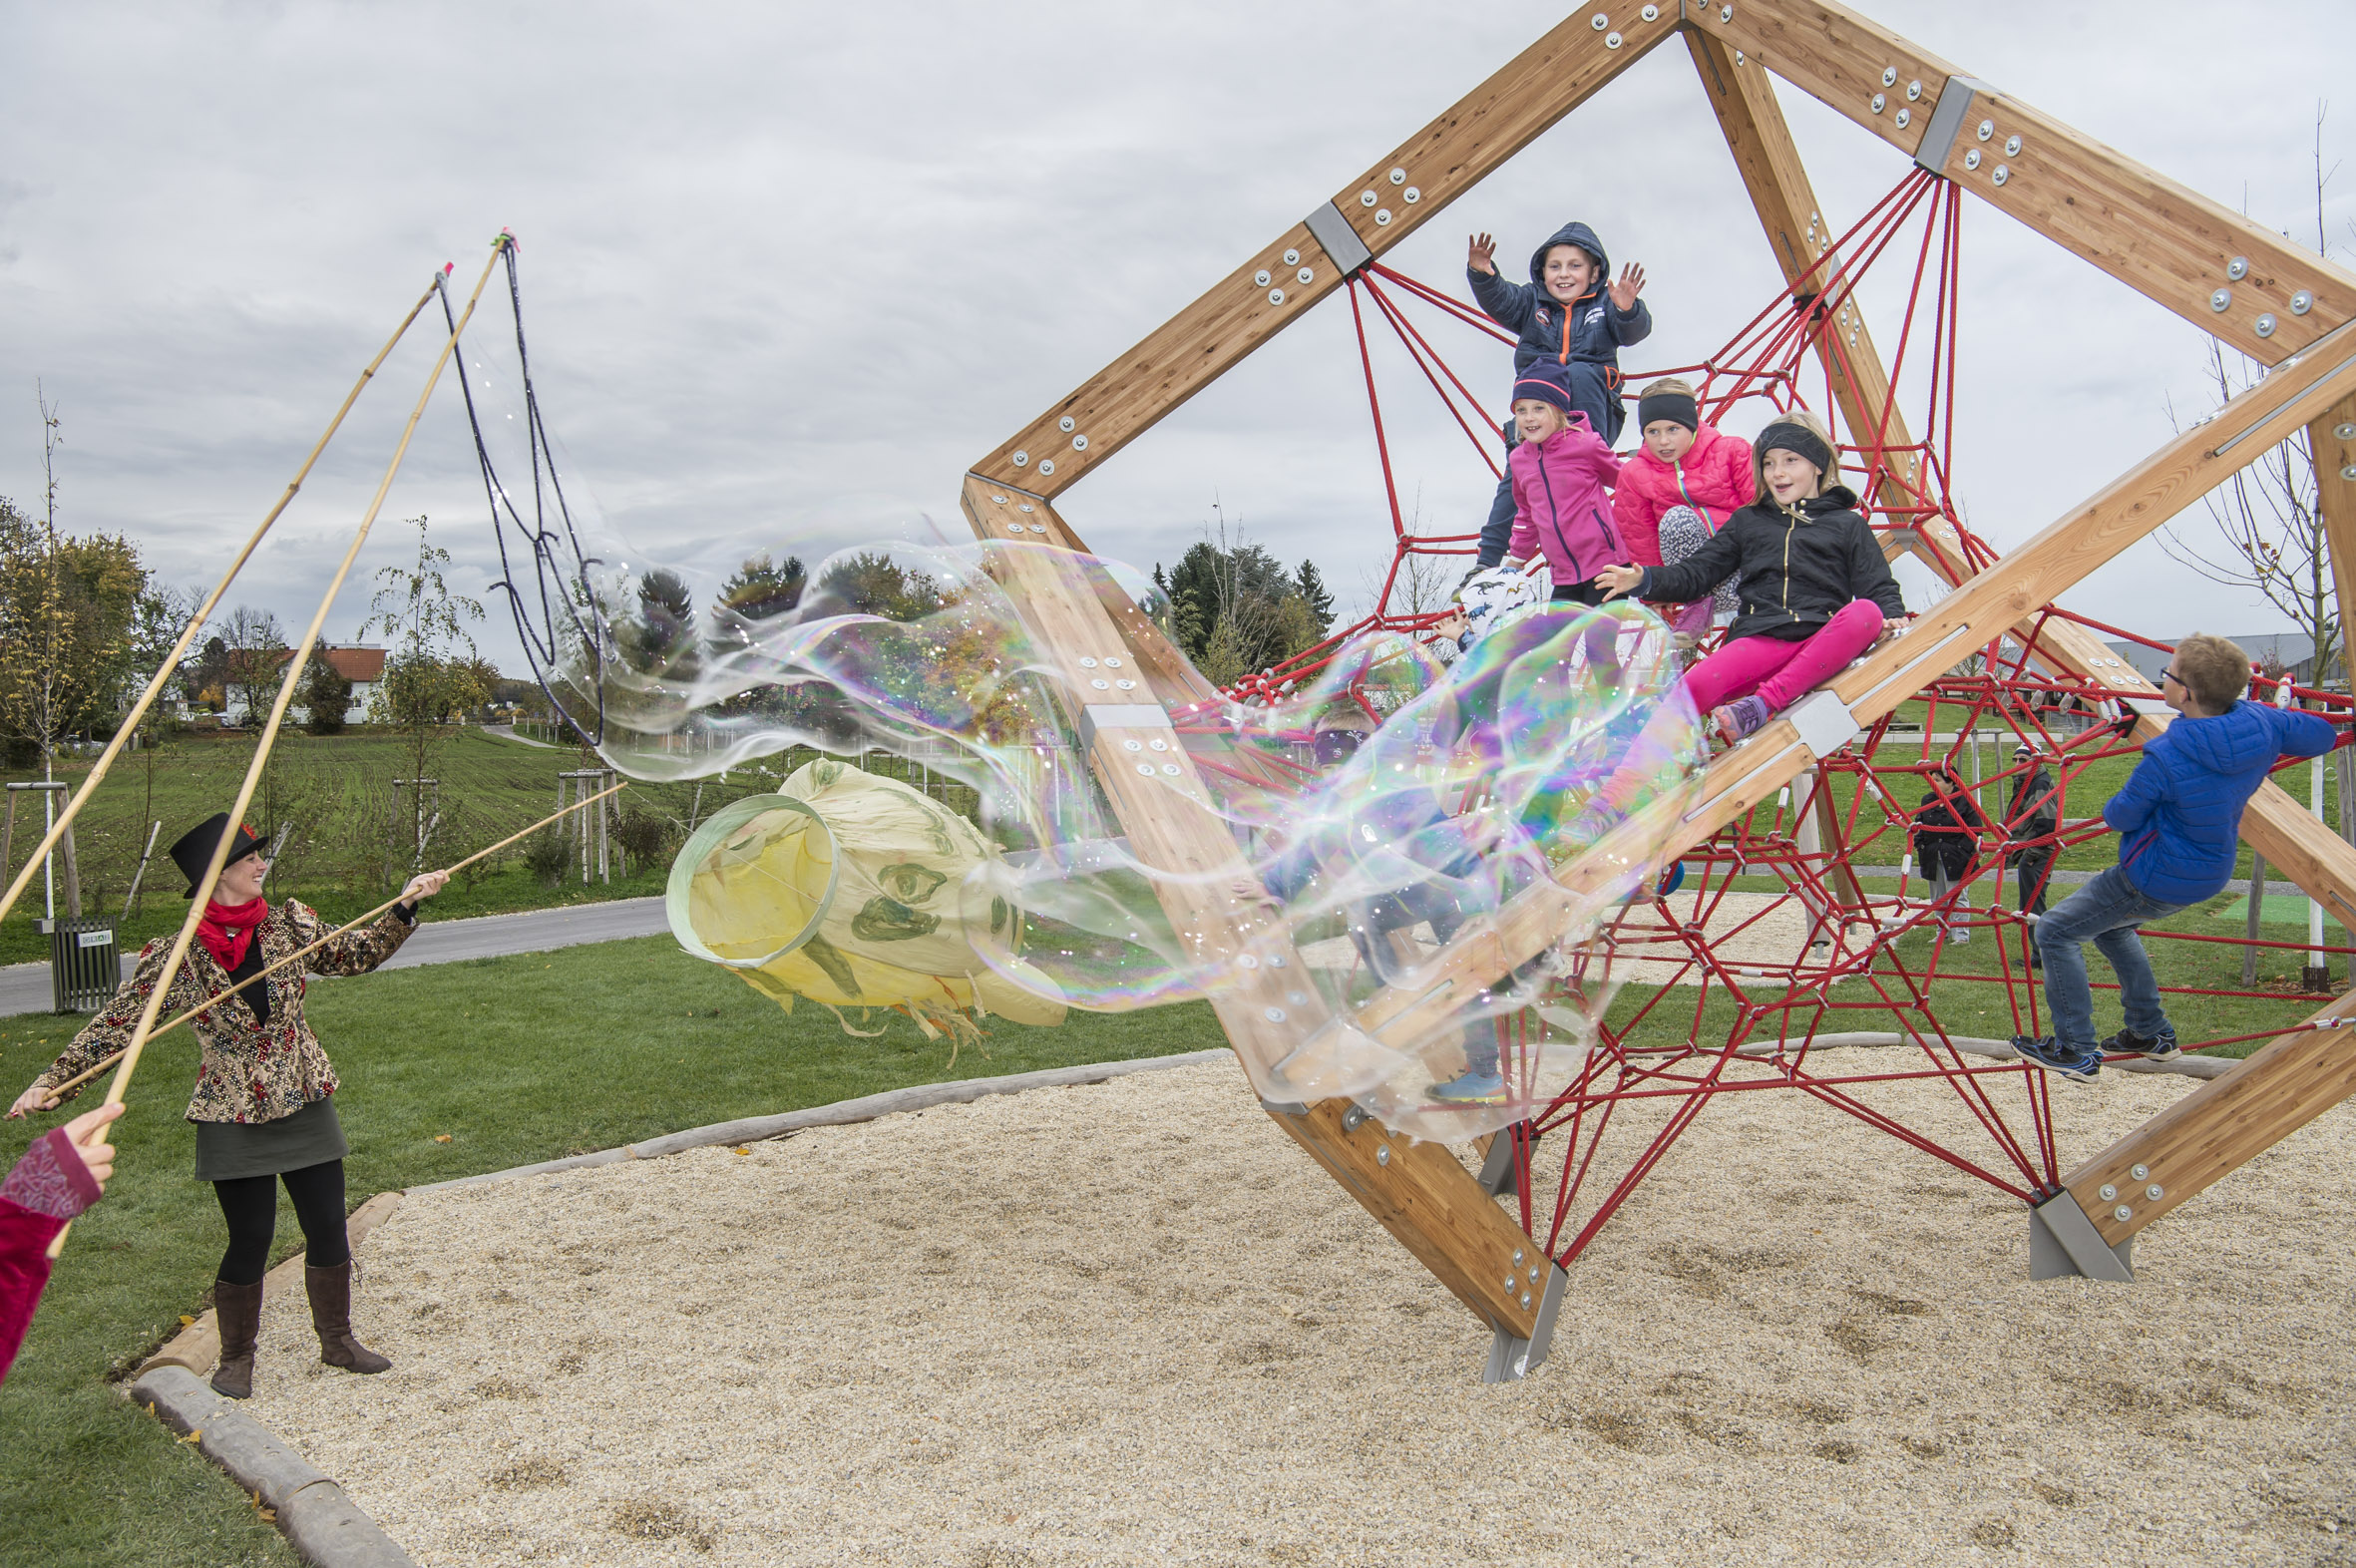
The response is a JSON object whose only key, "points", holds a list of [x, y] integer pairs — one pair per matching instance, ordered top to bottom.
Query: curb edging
{"points": [[322, 1524]]}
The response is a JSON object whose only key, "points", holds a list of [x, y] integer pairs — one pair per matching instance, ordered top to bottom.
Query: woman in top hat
{"points": [[262, 1107]]}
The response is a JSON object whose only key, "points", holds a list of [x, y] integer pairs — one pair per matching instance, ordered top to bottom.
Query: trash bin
{"points": [[85, 968]]}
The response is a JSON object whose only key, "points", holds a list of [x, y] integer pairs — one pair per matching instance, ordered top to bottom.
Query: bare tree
{"points": [[2269, 526]]}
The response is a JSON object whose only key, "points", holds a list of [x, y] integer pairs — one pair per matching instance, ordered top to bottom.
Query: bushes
{"points": [[642, 835], [546, 854]]}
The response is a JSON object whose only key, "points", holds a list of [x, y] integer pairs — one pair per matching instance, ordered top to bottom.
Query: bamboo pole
{"points": [[171, 661], [269, 734], [58, 1094]]}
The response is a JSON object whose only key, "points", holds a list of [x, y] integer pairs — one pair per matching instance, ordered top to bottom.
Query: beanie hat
{"points": [[1539, 383], [1799, 441]]}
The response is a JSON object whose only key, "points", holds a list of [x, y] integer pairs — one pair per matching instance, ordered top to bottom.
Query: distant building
{"points": [[362, 664]]}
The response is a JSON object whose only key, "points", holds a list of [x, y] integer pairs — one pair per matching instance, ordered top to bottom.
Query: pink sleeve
{"points": [[1734, 473], [1639, 524], [1523, 544], [24, 1272]]}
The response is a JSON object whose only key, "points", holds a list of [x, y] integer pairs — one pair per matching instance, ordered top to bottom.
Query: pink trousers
{"points": [[1784, 672]]}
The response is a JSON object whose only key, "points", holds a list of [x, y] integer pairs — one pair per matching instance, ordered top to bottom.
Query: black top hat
{"points": [[194, 849]]}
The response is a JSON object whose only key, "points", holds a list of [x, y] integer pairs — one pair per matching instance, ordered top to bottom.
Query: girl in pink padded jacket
{"points": [[1679, 489]]}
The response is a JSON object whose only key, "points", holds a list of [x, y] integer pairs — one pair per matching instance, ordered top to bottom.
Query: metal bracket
{"points": [[1947, 118], [1340, 242], [2149, 707], [1121, 716], [1825, 724], [1282, 1107], [1496, 1172], [2063, 1242], [1511, 1358]]}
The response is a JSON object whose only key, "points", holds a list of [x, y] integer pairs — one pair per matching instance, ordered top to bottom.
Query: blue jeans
{"points": [[2106, 910]]}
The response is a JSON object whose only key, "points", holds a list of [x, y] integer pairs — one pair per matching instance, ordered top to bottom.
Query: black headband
{"points": [[1676, 406], [1797, 440]]}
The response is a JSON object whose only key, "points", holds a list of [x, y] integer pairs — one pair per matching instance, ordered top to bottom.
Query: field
{"points": [[342, 852], [511, 1060]]}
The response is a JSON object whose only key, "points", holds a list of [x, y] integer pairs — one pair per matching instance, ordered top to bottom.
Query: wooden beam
{"points": [[1439, 164], [2172, 245], [2332, 440], [1978, 611], [1260, 988], [2219, 1127]]}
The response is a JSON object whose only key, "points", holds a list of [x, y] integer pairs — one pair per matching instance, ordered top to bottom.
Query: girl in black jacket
{"points": [[1815, 589]]}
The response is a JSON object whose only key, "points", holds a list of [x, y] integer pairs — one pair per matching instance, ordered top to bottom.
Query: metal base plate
{"points": [[2063, 1242], [1511, 1358]]}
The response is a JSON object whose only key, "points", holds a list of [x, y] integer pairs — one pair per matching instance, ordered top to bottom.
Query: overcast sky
{"points": [[790, 269]]}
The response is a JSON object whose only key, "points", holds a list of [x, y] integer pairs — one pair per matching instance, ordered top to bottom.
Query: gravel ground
{"points": [[1130, 1323]]}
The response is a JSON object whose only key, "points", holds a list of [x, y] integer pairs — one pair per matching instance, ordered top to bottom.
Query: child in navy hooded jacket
{"points": [[1565, 317], [2179, 819]]}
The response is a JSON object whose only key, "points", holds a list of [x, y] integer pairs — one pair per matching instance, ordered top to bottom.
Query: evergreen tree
{"points": [[1312, 593]]}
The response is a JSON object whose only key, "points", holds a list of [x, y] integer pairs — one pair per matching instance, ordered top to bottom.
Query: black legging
{"points": [[250, 1205]]}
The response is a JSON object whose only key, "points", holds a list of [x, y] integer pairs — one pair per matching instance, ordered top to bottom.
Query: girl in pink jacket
{"points": [[1680, 489], [1562, 507]]}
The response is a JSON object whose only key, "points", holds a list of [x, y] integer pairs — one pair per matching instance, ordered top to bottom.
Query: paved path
{"points": [[23, 987]]}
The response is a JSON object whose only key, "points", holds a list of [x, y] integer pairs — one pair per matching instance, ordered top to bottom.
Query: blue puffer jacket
{"points": [[1585, 339], [2181, 812]]}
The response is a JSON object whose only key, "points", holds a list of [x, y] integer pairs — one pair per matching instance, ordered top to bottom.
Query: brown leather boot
{"points": [[238, 1310], [331, 1315]]}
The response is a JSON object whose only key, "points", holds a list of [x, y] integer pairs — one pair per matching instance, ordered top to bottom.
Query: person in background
{"points": [[2033, 814], [2178, 822], [1946, 838], [62, 1174]]}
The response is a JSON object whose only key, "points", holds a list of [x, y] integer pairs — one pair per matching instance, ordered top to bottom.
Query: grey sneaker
{"points": [[2126, 1042], [2054, 1056]]}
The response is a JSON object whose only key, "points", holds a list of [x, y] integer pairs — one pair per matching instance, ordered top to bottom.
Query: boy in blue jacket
{"points": [[1566, 313], [2179, 819]]}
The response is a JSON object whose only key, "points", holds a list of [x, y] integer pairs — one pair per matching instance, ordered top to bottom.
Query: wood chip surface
{"points": [[1130, 1323]]}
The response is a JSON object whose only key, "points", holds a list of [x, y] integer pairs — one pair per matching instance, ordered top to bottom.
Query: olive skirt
{"points": [[230, 1150]]}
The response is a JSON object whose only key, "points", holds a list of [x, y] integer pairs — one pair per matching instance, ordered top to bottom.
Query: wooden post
{"points": [[140, 871], [2258, 900]]}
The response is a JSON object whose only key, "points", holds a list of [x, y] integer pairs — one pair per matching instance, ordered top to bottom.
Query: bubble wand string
{"points": [[171, 661], [269, 734], [57, 1094]]}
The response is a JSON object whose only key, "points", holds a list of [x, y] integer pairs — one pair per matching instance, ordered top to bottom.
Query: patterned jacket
{"points": [[248, 1074]]}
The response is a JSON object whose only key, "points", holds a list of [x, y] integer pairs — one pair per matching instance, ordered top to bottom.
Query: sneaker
{"points": [[1739, 719], [1959, 934], [2126, 1042], [2054, 1056], [1475, 1088]]}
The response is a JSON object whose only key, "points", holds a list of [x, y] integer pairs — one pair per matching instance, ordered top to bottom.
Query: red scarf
{"points": [[227, 929]]}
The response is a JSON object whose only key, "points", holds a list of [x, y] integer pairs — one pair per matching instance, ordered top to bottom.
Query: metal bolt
{"points": [[1651, 13], [1726, 13], [1599, 21], [1611, 40], [1737, 57], [1889, 76], [1914, 92], [1879, 101], [1905, 118], [1987, 129], [2012, 146], [1971, 160], [2002, 174], [1399, 177], [1410, 195], [1367, 199], [1381, 216], [1292, 257], [2237, 268], [1305, 275], [1261, 278], [1276, 296], [2221, 300], [2302, 302], [2264, 324], [1066, 423], [2345, 430], [1079, 443], [1021, 458], [1047, 465], [2349, 472], [1112, 661], [1087, 663], [1102, 684], [1126, 685], [1131, 745], [1163, 745], [1145, 768], [1168, 768], [1276, 960], [1273, 1015], [1353, 1118], [1383, 1155], [2138, 1172], [2156, 1191], [2110, 1193], [2123, 1212], [1518, 1254], [1533, 1276], [1509, 1281], [1525, 1299]]}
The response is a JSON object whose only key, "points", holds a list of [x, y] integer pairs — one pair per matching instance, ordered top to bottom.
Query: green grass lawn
{"points": [[337, 792], [515, 1060]]}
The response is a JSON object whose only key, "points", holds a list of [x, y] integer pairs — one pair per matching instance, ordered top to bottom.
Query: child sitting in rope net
{"points": [[1815, 589]]}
